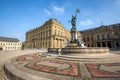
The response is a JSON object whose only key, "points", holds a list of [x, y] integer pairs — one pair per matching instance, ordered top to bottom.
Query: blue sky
{"points": [[19, 16]]}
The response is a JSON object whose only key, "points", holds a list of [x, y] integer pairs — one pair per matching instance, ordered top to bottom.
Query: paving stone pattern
{"points": [[5, 55], [86, 71]]}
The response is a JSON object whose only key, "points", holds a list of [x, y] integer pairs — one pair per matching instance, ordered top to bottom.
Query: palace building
{"points": [[51, 34], [103, 36], [10, 44]]}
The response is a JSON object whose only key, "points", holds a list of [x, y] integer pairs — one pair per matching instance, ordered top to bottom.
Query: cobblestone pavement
{"points": [[5, 55], [92, 67], [62, 68], [2, 74]]}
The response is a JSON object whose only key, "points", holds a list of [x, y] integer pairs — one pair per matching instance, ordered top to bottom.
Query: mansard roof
{"points": [[45, 23], [100, 27], [7, 39]]}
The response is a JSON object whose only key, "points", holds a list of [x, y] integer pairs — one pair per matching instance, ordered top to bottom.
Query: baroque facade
{"points": [[51, 34], [103, 36], [10, 44]]}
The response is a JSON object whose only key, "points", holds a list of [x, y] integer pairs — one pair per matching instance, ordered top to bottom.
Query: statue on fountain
{"points": [[73, 22], [74, 41]]}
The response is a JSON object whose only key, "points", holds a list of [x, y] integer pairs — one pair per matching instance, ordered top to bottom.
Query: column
{"points": [[51, 42], [41, 43], [54, 43], [58, 43], [61, 43], [46, 44], [95, 44], [100, 44], [106, 44], [119, 44], [112, 45]]}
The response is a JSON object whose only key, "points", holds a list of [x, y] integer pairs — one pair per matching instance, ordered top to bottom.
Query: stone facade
{"points": [[51, 34], [103, 36], [10, 44]]}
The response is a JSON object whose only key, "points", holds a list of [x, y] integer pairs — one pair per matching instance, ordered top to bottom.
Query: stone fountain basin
{"points": [[75, 51]]}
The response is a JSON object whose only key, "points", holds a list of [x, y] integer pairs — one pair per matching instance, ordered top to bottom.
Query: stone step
{"points": [[71, 58], [81, 59]]}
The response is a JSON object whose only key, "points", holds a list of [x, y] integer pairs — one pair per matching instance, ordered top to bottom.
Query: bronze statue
{"points": [[73, 20]]}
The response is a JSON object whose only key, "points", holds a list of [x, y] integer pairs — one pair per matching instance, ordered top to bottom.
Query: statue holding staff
{"points": [[73, 20]]}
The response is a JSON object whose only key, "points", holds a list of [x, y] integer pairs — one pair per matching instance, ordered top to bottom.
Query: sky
{"points": [[19, 16]]}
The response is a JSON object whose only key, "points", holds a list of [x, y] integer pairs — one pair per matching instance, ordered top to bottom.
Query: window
{"points": [[49, 32], [46, 33], [58, 33], [103, 36], [108, 36], [91, 37], [98, 37], [87, 38], [88, 45]]}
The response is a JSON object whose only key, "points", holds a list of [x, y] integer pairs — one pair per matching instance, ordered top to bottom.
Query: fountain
{"points": [[75, 45]]}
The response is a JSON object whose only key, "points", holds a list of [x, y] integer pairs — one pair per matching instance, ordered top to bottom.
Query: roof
{"points": [[46, 22], [94, 29], [8, 39]]}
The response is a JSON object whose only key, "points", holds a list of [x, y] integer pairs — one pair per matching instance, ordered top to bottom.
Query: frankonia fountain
{"points": [[75, 45]]}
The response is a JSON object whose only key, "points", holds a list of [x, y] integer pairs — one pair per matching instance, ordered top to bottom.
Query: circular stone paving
{"points": [[49, 67]]}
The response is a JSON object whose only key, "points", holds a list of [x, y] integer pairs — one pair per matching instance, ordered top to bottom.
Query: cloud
{"points": [[67, 3], [57, 9], [54, 10], [47, 11], [87, 12], [86, 22]]}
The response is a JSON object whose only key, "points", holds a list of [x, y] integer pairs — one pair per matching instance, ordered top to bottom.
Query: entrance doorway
{"points": [[98, 44], [103, 44], [109, 44], [117, 45], [1, 48]]}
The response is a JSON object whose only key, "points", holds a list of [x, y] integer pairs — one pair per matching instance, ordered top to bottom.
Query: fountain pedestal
{"points": [[71, 46]]}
